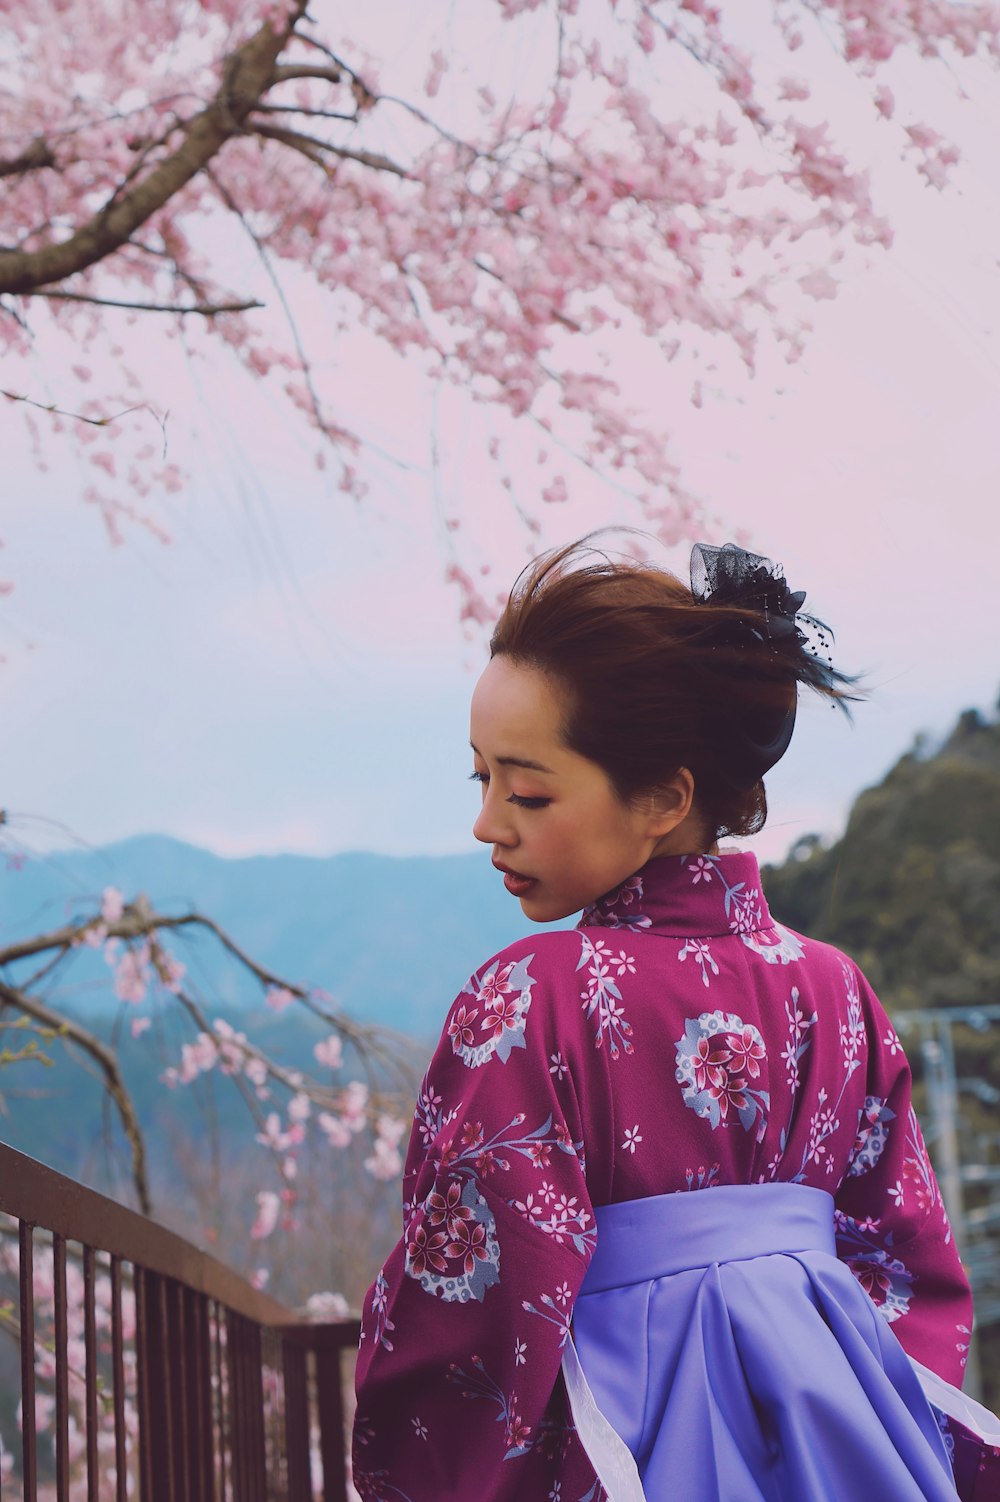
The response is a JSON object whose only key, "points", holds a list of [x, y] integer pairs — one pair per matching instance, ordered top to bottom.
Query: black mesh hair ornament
{"points": [[773, 615]]}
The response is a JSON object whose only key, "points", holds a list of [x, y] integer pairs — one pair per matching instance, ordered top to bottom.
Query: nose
{"points": [[493, 827]]}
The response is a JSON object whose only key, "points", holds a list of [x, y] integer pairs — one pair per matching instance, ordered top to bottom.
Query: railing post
{"points": [[26, 1278], [198, 1367], [90, 1372], [62, 1374], [295, 1374], [118, 1376], [255, 1384], [237, 1401], [330, 1401], [221, 1402], [226, 1405]]}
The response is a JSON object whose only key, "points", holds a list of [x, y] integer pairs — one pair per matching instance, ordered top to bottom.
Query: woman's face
{"points": [[557, 827]]}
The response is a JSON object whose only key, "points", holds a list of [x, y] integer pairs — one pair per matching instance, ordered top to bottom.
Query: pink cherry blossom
{"points": [[497, 244], [112, 905], [170, 970], [132, 975], [278, 998], [329, 1052], [354, 1102], [299, 1107], [336, 1131], [268, 1209], [326, 1306]]}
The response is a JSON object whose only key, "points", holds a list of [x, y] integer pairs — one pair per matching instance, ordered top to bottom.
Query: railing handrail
{"points": [[38, 1195]]}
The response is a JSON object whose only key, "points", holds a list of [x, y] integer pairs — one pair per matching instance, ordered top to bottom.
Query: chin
{"points": [[538, 910]]}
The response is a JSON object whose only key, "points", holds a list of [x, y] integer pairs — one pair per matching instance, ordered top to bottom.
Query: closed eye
{"points": [[483, 778]]}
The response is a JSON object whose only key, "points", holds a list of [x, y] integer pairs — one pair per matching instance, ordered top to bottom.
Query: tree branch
{"points": [[283, 72], [248, 74], [303, 109], [296, 141], [309, 146], [39, 154], [206, 310], [95, 422], [333, 434], [140, 921], [66, 1027], [375, 1046]]}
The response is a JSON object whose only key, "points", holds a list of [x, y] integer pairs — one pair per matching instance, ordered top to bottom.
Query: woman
{"points": [[562, 1319]]}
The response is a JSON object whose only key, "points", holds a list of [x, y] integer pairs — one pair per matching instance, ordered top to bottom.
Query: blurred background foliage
{"points": [[912, 892]]}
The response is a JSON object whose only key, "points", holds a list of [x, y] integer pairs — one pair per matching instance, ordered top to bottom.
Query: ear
{"points": [[670, 804]]}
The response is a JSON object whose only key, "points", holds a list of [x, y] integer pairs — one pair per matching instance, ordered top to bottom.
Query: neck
{"points": [[691, 837]]}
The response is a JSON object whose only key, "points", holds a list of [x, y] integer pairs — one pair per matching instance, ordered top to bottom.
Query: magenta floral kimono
{"points": [[678, 1040]]}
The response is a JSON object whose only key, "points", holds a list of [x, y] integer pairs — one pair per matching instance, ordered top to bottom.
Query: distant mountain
{"points": [[912, 889], [393, 940]]}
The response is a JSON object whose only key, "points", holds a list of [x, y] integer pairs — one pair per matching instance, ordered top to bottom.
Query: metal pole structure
{"points": [[942, 1099]]}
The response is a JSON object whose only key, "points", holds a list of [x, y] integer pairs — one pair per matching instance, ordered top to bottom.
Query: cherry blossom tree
{"points": [[660, 170], [513, 219], [284, 1105], [321, 1113]]}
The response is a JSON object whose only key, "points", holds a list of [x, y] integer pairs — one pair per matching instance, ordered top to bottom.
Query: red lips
{"points": [[517, 884]]}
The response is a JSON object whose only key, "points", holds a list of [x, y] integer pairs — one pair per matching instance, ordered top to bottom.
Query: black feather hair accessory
{"points": [[770, 614]]}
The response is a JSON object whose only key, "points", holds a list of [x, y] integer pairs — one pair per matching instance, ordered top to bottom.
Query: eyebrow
{"points": [[517, 761]]}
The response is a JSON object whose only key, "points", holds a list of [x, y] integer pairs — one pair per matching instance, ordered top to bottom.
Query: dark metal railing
{"points": [[148, 1369]]}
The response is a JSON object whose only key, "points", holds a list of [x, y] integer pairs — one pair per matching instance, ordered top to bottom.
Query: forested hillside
{"points": [[912, 889], [912, 892]]}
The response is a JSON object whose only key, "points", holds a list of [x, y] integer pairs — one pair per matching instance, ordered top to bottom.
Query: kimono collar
{"points": [[687, 896]]}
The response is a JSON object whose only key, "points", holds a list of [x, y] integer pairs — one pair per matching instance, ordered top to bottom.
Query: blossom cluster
{"points": [[506, 245], [289, 1104]]}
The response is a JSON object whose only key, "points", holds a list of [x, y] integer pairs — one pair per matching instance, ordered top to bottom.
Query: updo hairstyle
{"points": [[655, 680]]}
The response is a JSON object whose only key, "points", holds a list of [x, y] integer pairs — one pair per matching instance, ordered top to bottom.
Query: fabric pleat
{"points": [[740, 1361]]}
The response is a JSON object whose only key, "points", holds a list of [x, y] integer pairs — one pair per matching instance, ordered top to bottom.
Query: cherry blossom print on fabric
{"points": [[741, 902], [620, 908], [777, 945], [700, 951], [602, 997], [493, 1022], [798, 1040], [717, 1058], [430, 1119], [825, 1119], [563, 1124], [872, 1136], [472, 1154], [702, 1177], [918, 1181], [564, 1217], [451, 1243], [868, 1252], [382, 1325], [478, 1383], [550, 1436]]}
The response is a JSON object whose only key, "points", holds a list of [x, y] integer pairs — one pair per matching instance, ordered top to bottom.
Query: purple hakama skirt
{"points": [[720, 1337]]}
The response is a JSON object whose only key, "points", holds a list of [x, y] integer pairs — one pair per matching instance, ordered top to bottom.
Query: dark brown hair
{"points": [[653, 679]]}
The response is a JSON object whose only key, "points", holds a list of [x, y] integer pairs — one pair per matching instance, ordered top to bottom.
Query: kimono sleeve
{"points": [[892, 1229], [458, 1378]]}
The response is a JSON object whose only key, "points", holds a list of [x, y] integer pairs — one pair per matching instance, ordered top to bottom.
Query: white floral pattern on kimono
{"points": [[677, 1013]]}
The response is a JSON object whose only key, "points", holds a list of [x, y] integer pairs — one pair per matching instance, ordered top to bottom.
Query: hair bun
{"points": [[762, 609]]}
